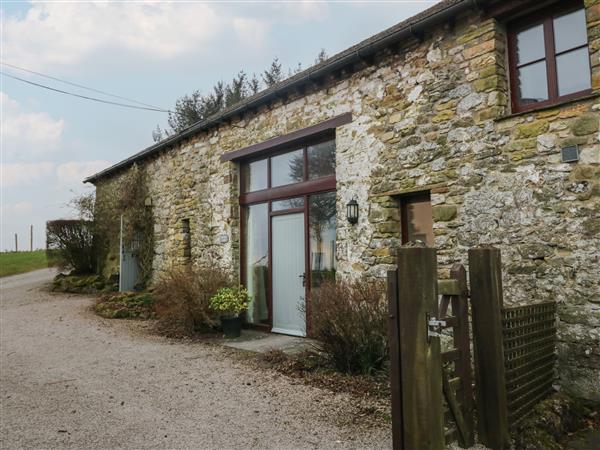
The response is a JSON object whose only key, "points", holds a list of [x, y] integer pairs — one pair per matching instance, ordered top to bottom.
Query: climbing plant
{"points": [[127, 197]]}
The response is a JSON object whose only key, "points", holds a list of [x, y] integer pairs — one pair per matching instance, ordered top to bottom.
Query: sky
{"points": [[152, 52]]}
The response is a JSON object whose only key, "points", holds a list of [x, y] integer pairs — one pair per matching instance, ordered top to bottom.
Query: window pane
{"points": [[570, 31], [530, 45], [573, 70], [533, 84], [321, 160], [287, 168], [255, 175], [280, 205], [419, 220], [322, 222], [257, 259]]}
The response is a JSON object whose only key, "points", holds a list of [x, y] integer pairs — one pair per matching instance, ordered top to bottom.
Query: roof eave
{"points": [[414, 25]]}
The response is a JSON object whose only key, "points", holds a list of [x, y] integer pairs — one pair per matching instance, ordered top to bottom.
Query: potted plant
{"points": [[229, 303]]}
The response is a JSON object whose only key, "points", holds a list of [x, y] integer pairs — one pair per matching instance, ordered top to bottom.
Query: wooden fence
{"points": [[514, 352]]}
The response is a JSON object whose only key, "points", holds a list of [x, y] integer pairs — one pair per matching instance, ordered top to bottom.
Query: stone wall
{"points": [[434, 116]]}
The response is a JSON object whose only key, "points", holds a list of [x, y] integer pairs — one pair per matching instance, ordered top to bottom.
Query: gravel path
{"points": [[70, 379]]}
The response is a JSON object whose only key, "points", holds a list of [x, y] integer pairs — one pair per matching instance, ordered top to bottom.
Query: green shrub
{"points": [[71, 245], [82, 284], [182, 297], [230, 301], [126, 305], [349, 319]]}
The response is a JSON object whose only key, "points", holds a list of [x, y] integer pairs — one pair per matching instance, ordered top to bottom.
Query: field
{"points": [[12, 263]]}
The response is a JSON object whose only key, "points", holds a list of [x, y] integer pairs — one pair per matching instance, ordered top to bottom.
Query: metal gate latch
{"points": [[434, 327]]}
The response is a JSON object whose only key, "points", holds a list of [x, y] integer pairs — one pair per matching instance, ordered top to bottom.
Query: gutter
{"points": [[357, 53]]}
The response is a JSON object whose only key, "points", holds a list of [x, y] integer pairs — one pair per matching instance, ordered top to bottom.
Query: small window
{"points": [[549, 57], [287, 168], [254, 175], [290, 203], [417, 219], [187, 241]]}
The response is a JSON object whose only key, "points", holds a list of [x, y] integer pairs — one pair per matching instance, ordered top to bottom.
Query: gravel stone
{"points": [[69, 379]]}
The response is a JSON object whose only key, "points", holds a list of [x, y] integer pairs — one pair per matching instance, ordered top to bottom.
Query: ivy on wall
{"points": [[127, 197]]}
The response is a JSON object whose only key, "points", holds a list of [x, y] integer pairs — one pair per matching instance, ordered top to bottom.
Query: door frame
{"points": [[303, 189], [307, 263]]}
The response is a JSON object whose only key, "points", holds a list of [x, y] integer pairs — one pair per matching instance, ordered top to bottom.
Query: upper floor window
{"points": [[549, 57], [306, 163]]}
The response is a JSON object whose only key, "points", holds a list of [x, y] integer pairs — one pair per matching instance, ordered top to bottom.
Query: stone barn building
{"points": [[474, 122]]}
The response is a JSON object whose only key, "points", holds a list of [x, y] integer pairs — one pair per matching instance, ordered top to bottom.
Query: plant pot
{"points": [[232, 326]]}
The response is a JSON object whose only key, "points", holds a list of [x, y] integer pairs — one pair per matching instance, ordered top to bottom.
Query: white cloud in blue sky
{"points": [[150, 51]]}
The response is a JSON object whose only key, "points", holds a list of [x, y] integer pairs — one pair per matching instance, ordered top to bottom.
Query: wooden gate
{"points": [[422, 376], [432, 386]]}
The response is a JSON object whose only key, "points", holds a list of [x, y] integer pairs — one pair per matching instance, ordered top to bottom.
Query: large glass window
{"points": [[549, 57], [321, 160], [287, 168], [322, 221], [257, 261]]}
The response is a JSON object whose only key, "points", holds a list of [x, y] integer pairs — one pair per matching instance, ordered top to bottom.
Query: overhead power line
{"points": [[77, 85], [124, 105]]}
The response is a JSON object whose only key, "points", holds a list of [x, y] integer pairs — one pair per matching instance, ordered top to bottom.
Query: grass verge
{"points": [[12, 263]]}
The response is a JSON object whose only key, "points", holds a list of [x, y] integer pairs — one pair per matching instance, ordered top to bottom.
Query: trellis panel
{"points": [[529, 339]]}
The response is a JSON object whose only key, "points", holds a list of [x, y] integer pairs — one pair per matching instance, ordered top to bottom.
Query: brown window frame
{"points": [[545, 18], [305, 188]]}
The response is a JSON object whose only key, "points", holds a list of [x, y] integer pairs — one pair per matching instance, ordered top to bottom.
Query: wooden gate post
{"points": [[490, 384], [418, 405]]}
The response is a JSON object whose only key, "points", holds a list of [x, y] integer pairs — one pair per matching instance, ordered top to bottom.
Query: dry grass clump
{"points": [[181, 298], [126, 305], [349, 319]]}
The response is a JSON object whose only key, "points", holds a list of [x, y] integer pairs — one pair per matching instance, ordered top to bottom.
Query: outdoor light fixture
{"points": [[352, 211]]}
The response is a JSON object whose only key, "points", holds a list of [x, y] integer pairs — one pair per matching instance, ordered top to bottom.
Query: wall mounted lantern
{"points": [[352, 211]]}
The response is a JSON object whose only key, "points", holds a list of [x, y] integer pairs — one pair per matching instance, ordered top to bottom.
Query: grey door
{"points": [[129, 269]]}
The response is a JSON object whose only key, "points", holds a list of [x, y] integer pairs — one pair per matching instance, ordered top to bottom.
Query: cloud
{"points": [[301, 11], [251, 32], [67, 33], [27, 133], [73, 172], [17, 174], [16, 209]]}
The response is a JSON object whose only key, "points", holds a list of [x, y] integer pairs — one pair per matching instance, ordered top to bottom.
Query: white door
{"points": [[287, 242]]}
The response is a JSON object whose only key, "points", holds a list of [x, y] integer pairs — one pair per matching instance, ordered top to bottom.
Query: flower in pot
{"points": [[229, 303]]}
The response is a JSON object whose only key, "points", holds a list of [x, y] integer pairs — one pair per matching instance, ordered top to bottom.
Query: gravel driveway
{"points": [[71, 379]]}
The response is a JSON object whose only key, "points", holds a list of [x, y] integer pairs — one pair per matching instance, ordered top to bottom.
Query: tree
{"points": [[322, 56], [273, 74], [254, 85], [237, 90], [188, 110], [157, 134]]}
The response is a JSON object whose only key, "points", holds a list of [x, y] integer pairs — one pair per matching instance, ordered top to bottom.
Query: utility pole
{"points": [[30, 238], [16, 243]]}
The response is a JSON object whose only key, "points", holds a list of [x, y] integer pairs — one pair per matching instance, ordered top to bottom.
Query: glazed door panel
{"points": [[288, 267]]}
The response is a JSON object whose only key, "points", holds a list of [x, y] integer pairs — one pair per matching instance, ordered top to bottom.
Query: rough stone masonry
{"points": [[433, 115]]}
